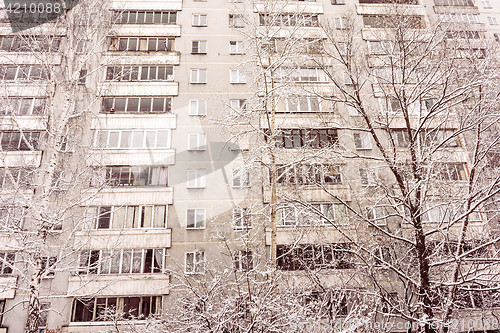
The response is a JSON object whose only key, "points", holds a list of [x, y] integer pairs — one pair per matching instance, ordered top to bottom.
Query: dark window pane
{"points": [[145, 105]]}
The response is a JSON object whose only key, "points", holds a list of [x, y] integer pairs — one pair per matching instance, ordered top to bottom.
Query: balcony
{"points": [[119, 285]]}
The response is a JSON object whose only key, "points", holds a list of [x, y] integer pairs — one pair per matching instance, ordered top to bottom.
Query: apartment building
{"points": [[157, 141]]}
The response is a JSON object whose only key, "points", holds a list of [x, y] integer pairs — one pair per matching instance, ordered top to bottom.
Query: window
{"points": [[338, 2], [406, 2], [460, 3], [486, 3], [144, 17], [459, 18], [298, 19], [199, 20], [492, 20], [236, 21], [390, 21], [340, 23], [464, 34], [30, 43], [142, 44], [199, 47], [236, 47], [380, 47], [23, 73], [140, 73], [301, 74], [198, 75], [82, 76], [237, 76], [136, 104], [303, 104], [238, 105], [22, 106], [197, 107], [306, 138], [445, 138], [135, 139], [362, 140], [15, 141], [197, 141], [450, 171], [309, 174], [130, 176], [367, 177], [11, 178], [241, 178], [195, 179], [440, 212], [324, 213], [377, 215], [11, 217], [128, 217], [195, 218], [242, 218], [314, 256], [382, 256], [7, 260], [122, 261], [243, 261], [195, 262], [48, 266], [2, 309], [99, 309], [42, 320]]}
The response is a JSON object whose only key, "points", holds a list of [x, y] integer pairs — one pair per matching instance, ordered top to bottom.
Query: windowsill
{"points": [[198, 53], [197, 82], [194, 228]]}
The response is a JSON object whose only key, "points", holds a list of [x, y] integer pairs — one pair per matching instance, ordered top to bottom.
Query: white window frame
{"points": [[486, 4], [199, 20], [492, 20], [236, 21], [339, 23], [201, 47], [236, 47], [198, 75], [237, 76], [298, 102], [238, 105], [197, 107], [132, 135], [362, 140], [197, 141], [242, 176], [367, 177], [195, 178], [241, 215], [377, 215], [196, 223], [198, 262]]}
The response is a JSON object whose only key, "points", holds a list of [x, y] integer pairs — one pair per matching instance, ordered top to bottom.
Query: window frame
{"points": [[199, 20], [199, 47], [237, 48], [198, 76], [237, 76], [198, 107], [197, 142], [196, 180], [242, 218], [196, 225], [198, 266]]}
